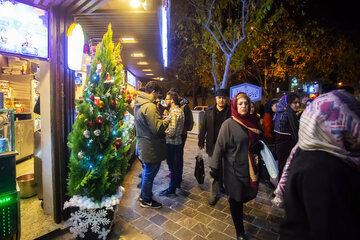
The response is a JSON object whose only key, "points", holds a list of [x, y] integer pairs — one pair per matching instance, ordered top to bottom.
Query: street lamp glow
{"points": [[135, 3], [127, 40], [138, 54]]}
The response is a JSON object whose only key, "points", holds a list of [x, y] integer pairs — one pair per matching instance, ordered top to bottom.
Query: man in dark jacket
{"points": [[214, 116], [150, 140]]}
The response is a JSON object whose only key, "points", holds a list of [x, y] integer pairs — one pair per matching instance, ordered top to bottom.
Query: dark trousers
{"points": [[183, 140], [283, 147], [175, 163], [236, 210]]}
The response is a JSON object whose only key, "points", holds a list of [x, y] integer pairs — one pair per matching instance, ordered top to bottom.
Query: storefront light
{"points": [[135, 3], [75, 48], [138, 55], [143, 63], [147, 70]]}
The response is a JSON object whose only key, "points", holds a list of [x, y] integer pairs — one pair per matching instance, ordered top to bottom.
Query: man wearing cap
{"points": [[214, 116]]}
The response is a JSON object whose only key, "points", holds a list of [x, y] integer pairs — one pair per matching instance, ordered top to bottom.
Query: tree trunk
{"points": [[226, 72], [194, 88], [203, 96]]}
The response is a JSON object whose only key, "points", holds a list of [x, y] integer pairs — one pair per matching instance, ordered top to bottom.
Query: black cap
{"points": [[221, 92]]}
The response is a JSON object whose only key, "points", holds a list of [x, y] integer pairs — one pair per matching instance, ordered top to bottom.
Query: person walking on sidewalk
{"points": [[214, 116], [238, 135], [150, 140], [174, 143], [322, 174]]}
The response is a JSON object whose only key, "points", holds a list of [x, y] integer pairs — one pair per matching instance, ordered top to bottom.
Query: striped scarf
{"points": [[331, 123]]}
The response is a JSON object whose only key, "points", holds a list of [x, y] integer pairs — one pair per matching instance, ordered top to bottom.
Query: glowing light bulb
{"points": [[135, 3]]}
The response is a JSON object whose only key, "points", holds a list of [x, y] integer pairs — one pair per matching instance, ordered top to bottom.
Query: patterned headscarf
{"points": [[251, 123], [331, 123]]}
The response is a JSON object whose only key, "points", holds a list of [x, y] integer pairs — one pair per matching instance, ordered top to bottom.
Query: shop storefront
{"points": [[36, 86]]}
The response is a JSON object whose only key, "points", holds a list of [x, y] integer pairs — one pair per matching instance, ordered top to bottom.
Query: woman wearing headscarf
{"points": [[268, 123], [286, 128], [240, 166], [322, 192]]}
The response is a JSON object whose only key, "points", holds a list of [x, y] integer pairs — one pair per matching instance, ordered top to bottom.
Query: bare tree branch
{"points": [[210, 10], [222, 36], [213, 73]]}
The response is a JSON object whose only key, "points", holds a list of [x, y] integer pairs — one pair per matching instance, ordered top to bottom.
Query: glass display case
{"points": [[7, 131]]}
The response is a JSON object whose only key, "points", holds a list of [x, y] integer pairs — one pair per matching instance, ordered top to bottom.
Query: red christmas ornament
{"points": [[92, 96], [97, 100], [112, 103], [99, 119], [91, 123], [111, 127], [118, 142]]}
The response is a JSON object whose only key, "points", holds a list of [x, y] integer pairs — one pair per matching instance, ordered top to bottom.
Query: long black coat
{"points": [[207, 130], [231, 151], [322, 197]]}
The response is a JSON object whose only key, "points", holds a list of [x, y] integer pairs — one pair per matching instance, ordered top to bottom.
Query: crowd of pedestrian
{"points": [[317, 152]]}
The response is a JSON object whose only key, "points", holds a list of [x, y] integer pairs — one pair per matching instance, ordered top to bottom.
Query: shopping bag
{"points": [[269, 161], [199, 172]]}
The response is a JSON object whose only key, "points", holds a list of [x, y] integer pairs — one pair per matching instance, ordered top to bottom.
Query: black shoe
{"points": [[140, 175], [138, 185], [167, 192], [140, 198], [213, 202], [151, 204], [241, 237]]}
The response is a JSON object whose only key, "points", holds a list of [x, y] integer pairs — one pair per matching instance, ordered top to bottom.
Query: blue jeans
{"points": [[175, 163], [149, 173]]}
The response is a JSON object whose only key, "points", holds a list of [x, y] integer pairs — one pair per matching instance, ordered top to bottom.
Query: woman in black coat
{"points": [[240, 169], [322, 191]]}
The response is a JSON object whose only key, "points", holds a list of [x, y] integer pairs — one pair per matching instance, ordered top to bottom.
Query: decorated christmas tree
{"points": [[103, 131]]}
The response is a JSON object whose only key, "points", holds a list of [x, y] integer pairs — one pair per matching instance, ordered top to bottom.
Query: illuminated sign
{"points": [[23, 29], [164, 32], [76, 42], [131, 79], [254, 92]]}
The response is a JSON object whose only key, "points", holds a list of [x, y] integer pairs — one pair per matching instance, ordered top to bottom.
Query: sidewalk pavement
{"points": [[188, 215]]}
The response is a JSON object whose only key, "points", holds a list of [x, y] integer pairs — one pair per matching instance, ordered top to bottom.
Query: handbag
{"points": [[199, 172]]}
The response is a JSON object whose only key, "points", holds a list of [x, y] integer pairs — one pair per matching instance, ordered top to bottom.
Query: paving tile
{"points": [[195, 197], [193, 204], [220, 206], [205, 209], [190, 212], [127, 213], [258, 213], [218, 215], [158, 219], [205, 219], [187, 222], [141, 223], [218, 225], [171, 226], [251, 228], [201, 229], [154, 231], [230, 231], [184, 234], [215, 235], [266, 235], [166, 236], [197, 237]]}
